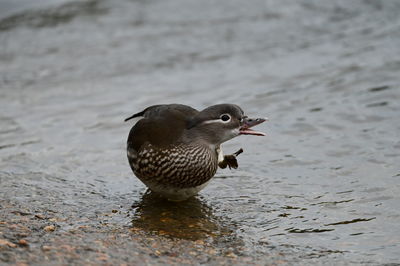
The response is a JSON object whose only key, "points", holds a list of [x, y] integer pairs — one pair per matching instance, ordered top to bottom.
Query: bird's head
{"points": [[222, 122]]}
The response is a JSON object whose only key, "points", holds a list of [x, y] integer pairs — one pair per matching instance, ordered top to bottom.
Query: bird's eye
{"points": [[225, 117]]}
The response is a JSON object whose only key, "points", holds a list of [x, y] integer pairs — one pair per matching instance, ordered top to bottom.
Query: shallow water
{"points": [[323, 184]]}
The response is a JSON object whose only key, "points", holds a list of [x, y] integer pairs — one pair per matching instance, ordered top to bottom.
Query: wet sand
{"points": [[321, 188]]}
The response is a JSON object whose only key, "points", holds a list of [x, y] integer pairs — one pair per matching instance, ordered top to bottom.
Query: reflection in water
{"points": [[192, 219]]}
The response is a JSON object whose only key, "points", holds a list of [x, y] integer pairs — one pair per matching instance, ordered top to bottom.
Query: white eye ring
{"points": [[225, 118]]}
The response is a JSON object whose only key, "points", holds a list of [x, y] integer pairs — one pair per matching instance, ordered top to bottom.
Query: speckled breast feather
{"points": [[180, 166]]}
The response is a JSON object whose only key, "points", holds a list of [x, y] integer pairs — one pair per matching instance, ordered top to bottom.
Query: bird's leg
{"points": [[238, 152], [230, 160]]}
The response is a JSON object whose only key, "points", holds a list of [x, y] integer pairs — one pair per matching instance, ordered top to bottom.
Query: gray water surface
{"points": [[322, 187]]}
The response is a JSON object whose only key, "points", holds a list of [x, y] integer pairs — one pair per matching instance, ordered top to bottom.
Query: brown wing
{"points": [[162, 125]]}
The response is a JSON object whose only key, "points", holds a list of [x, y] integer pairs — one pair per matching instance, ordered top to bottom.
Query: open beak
{"points": [[251, 122]]}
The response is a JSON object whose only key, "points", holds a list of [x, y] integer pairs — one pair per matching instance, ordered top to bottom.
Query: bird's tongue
{"points": [[248, 123], [249, 131]]}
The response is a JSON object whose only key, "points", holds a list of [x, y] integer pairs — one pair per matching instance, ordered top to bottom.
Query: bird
{"points": [[175, 149]]}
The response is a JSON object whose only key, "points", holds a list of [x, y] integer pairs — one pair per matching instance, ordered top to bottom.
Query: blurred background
{"points": [[321, 187]]}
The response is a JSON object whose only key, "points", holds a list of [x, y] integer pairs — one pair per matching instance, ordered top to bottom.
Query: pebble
{"points": [[40, 216], [49, 228], [4, 242], [23, 242], [199, 242], [46, 248], [231, 255], [21, 264]]}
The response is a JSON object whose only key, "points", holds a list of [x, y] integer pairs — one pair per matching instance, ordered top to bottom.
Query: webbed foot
{"points": [[230, 160]]}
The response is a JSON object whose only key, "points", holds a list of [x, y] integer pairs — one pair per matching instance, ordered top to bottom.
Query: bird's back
{"points": [[161, 125]]}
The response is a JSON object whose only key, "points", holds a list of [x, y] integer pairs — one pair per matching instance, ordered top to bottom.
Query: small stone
{"points": [[114, 211], [40, 216], [14, 226], [83, 226], [49, 228], [134, 229], [162, 233], [4, 242], [23, 242], [199, 242], [46, 248], [67, 248], [212, 252], [231, 255]]}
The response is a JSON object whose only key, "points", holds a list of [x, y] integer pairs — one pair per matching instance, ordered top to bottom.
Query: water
{"points": [[322, 185]]}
